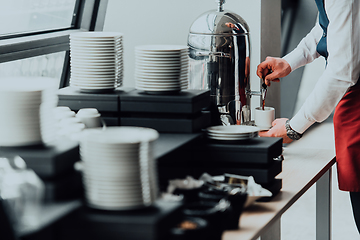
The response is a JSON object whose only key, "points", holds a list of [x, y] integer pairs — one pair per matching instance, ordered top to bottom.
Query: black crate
{"points": [[185, 102], [168, 124], [259, 151], [48, 162], [262, 175], [151, 223]]}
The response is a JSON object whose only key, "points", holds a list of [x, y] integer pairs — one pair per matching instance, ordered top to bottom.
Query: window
{"points": [[24, 16], [37, 32], [49, 65]]}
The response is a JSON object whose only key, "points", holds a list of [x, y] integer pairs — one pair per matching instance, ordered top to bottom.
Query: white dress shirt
{"points": [[343, 63]]}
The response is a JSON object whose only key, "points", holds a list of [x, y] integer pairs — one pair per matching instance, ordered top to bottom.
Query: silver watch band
{"points": [[291, 133]]}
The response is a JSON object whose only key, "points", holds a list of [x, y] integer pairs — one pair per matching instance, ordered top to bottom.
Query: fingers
{"points": [[263, 69], [272, 69], [268, 82], [276, 121], [265, 133]]}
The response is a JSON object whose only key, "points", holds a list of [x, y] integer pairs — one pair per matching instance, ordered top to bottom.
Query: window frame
{"points": [[89, 15]]}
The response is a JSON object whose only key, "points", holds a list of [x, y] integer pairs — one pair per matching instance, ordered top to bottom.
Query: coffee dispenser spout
{"points": [[220, 4], [261, 93]]}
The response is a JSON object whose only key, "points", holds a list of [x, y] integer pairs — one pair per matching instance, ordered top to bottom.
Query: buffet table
{"points": [[307, 162], [55, 211]]}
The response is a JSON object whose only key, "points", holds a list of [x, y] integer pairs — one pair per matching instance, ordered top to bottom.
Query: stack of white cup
{"points": [[90, 117], [67, 124], [71, 124]]}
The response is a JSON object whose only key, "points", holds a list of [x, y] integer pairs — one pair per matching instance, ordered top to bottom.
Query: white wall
{"points": [[168, 22]]}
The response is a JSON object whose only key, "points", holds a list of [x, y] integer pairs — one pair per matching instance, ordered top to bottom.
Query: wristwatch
{"points": [[291, 133]]}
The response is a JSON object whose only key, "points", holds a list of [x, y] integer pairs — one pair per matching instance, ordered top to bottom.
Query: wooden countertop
{"points": [[305, 162]]}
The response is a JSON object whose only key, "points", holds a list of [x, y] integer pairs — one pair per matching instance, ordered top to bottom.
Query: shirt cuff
{"points": [[295, 59], [299, 123]]}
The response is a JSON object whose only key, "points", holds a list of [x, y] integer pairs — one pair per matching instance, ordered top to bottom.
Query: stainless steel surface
{"points": [[220, 5], [219, 43]]}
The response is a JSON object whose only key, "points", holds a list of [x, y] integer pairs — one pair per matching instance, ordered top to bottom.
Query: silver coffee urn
{"points": [[219, 44]]}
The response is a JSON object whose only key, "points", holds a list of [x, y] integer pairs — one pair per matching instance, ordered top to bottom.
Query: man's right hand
{"points": [[272, 69]]}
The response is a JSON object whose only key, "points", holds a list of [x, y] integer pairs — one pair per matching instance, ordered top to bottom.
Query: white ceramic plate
{"points": [[96, 35], [95, 41], [96, 48], [161, 48], [97, 52], [96, 55], [165, 57], [162, 61], [97, 62], [105, 67], [102, 70], [91, 74], [155, 82], [158, 85], [91, 88], [149, 89], [233, 129], [121, 135], [227, 138], [113, 203]]}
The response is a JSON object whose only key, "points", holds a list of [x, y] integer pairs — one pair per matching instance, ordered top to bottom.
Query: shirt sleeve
{"points": [[305, 52], [343, 63]]}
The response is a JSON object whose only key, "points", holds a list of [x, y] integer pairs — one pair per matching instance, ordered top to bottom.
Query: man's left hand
{"points": [[278, 130]]}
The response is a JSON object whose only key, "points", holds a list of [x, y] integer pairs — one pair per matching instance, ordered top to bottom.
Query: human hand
{"points": [[272, 69], [278, 130]]}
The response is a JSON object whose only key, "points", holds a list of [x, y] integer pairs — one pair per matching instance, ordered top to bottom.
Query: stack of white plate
{"points": [[96, 61], [161, 68], [26, 110], [232, 132], [117, 167]]}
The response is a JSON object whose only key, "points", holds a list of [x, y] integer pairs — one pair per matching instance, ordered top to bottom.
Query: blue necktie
{"points": [[324, 22]]}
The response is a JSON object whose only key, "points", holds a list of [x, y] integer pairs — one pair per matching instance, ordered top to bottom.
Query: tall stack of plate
{"points": [[96, 61], [161, 68], [26, 110], [232, 132], [118, 172]]}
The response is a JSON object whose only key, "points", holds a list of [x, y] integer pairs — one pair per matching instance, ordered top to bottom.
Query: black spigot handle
{"points": [[263, 83]]}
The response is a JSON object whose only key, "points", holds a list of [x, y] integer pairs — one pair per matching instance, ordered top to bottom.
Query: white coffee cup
{"points": [[59, 115], [90, 117], [264, 118]]}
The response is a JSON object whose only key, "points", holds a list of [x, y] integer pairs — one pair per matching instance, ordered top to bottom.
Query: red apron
{"points": [[347, 140]]}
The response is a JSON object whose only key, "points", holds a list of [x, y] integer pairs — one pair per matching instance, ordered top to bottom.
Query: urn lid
{"points": [[219, 22]]}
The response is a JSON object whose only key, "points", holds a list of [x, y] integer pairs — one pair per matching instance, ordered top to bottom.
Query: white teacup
{"points": [[59, 115], [90, 117], [264, 118]]}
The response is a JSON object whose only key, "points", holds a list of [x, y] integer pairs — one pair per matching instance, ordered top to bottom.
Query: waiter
{"points": [[337, 38]]}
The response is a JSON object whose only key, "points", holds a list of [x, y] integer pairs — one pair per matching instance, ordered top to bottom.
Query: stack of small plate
{"points": [[96, 61], [161, 68], [25, 106], [232, 132], [115, 174]]}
